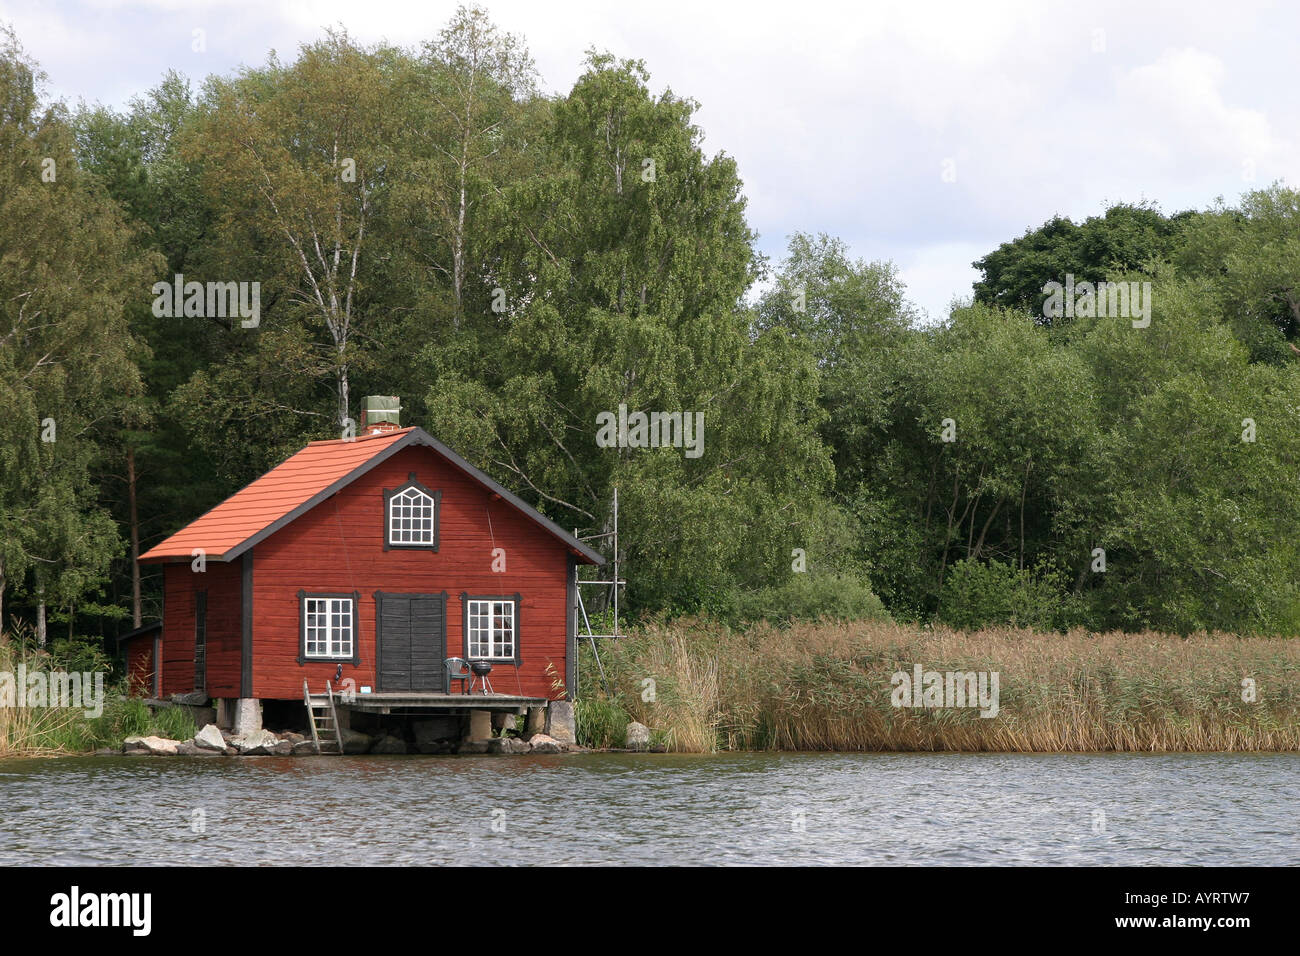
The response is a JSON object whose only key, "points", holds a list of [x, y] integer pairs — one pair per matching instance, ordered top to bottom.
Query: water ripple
{"points": [[869, 809]]}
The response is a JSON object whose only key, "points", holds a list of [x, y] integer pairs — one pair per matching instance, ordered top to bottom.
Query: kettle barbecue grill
{"points": [[481, 670]]}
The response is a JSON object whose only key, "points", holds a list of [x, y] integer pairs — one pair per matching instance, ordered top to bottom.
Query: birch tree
{"points": [[296, 161]]}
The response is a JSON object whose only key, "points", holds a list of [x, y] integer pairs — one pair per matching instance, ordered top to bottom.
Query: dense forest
{"points": [[425, 223]]}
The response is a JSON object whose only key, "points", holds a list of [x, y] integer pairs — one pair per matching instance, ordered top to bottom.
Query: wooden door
{"points": [[412, 642]]}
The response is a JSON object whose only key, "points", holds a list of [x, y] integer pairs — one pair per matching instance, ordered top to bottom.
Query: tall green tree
{"points": [[70, 268]]}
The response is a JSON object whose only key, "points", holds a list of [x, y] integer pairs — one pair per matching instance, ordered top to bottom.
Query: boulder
{"points": [[195, 698], [559, 722], [435, 735], [638, 736], [292, 737], [210, 738], [354, 741], [254, 744], [388, 744], [544, 744], [507, 745], [156, 746], [187, 748], [304, 748]]}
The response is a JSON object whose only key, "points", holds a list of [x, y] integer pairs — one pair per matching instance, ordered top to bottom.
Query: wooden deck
{"points": [[419, 702]]}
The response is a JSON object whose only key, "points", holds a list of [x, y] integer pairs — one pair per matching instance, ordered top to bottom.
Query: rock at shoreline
{"points": [[434, 735], [638, 736], [209, 738], [355, 742], [255, 743], [388, 744], [544, 744], [507, 745], [153, 746], [473, 747], [282, 748], [304, 748]]}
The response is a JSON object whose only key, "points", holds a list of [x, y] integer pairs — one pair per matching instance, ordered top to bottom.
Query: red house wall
{"points": [[338, 546], [180, 584], [139, 666]]}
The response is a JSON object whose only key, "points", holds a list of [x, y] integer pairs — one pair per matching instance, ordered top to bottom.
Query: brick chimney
{"points": [[380, 413]]}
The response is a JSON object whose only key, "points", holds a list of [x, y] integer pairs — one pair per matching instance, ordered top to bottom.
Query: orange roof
{"points": [[306, 479], [281, 491]]}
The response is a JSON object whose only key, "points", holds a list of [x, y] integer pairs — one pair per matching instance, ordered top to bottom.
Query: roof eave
{"points": [[416, 436]]}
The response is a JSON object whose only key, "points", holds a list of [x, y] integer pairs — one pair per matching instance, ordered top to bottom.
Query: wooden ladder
{"points": [[326, 722]]}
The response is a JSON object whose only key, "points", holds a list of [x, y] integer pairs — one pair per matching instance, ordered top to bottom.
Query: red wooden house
{"points": [[372, 559]]}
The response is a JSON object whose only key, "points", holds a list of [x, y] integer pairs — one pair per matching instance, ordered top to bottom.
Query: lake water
{"points": [[953, 809]]}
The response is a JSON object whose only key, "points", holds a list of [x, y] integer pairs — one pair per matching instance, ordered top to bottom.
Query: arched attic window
{"points": [[411, 516]]}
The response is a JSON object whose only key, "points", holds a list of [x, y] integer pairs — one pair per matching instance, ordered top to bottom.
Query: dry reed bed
{"points": [[826, 686], [29, 731]]}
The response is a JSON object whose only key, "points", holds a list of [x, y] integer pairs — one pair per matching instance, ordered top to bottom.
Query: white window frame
{"points": [[411, 516], [419, 529], [490, 613], [336, 632]]}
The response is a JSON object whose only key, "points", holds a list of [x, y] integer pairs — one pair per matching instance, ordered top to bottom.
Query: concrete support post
{"points": [[248, 715], [536, 722], [479, 726]]}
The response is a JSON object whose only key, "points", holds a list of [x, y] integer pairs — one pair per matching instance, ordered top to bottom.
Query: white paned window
{"points": [[411, 518], [328, 627], [491, 634]]}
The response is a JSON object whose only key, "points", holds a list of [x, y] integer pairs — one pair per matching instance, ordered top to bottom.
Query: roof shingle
{"points": [[268, 499]]}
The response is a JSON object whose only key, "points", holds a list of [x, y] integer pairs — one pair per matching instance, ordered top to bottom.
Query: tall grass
{"points": [[827, 687], [50, 731]]}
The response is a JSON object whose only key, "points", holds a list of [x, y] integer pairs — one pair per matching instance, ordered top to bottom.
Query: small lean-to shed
{"points": [[375, 559], [143, 648]]}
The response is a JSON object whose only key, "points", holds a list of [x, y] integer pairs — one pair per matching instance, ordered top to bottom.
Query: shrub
{"points": [[992, 594], [809, 596]]}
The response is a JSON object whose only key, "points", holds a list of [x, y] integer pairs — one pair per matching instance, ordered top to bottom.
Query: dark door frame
{"points": [[201, 641]]}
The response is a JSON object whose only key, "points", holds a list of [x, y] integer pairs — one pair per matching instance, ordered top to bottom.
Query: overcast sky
{"points": [[921, 133]]}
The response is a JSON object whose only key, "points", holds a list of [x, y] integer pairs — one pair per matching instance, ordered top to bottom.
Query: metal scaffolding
{"points": [[613, 584]]}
